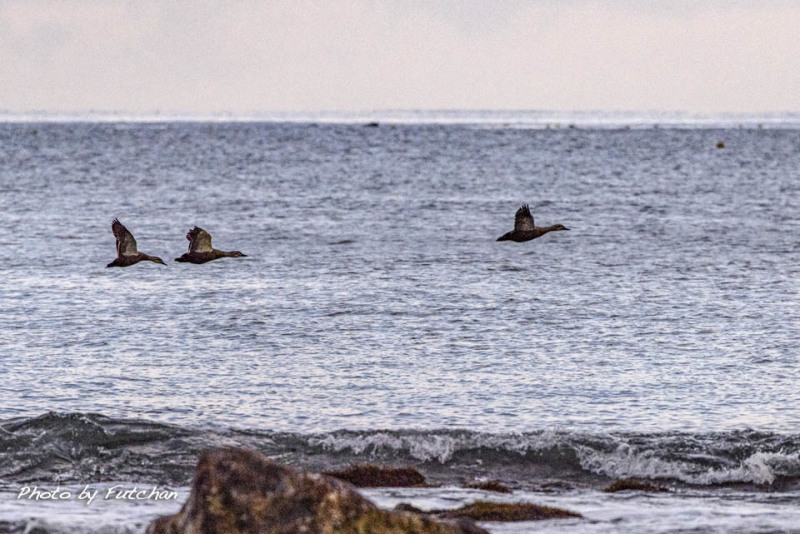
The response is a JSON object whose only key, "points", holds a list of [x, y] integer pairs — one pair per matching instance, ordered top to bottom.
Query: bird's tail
{"points": [[504, 237]]}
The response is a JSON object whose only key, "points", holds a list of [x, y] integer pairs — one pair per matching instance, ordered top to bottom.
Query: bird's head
{"points": [[559, 227], [157, 260]]}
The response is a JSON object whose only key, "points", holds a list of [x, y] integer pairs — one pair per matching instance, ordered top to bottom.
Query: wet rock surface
{"points": [[373, 476], [632, 484], [490, 485], [243, 492], [495, 511]]}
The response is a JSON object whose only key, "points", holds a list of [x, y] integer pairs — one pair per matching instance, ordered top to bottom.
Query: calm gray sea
{"points": [[376, 315]]}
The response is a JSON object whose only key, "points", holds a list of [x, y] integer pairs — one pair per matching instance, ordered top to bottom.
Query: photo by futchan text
{"points": [[89, 494]]}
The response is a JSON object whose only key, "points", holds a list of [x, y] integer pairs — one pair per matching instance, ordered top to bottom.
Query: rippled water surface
{"points": [[374, 294], [376, 319]]}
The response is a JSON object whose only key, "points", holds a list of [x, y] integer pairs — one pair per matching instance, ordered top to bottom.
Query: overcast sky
{"points": [[245, 56]]}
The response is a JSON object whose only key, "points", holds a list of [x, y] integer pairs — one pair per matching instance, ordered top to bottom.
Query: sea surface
{"points": [[376, 319]]}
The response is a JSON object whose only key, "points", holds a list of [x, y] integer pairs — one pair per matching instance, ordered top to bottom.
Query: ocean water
{"points": [[376, 318]]}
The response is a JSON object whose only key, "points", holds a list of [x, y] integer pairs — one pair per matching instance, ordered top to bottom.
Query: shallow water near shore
{"points": [[377, 319], [602, 512]]}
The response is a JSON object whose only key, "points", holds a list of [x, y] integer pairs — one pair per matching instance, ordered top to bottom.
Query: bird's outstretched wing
{"points": [[523, 220], [199, 240], [126, 244]]}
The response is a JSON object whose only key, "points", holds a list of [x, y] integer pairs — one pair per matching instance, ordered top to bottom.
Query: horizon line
{"points": [[506, 117]]}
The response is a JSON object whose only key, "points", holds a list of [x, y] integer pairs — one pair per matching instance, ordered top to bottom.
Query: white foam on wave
{"points": [[433, 446], [611, 456], [628, 462]]}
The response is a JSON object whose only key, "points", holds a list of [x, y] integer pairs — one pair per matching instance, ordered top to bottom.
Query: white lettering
{"points": [[36, 494], [87, 495]]}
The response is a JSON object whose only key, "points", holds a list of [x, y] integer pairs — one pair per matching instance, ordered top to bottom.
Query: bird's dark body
{"points": [[525, 229], [519, 237], [201, 251], [127, 253], [204, 257], [127, 261]]}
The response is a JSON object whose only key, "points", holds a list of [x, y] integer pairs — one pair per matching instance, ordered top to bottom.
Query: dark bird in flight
{"points": [[525, 230], [200, 249], [127, 254]]}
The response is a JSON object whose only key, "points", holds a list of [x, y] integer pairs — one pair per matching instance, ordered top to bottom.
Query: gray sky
{"points": [[244, 56]]}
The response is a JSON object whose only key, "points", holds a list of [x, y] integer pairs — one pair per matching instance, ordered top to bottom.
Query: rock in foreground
{"points": [[243, 492]]}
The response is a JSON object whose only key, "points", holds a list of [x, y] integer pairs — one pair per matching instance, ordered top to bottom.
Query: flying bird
{"points": [[525, 230], [201, 251], [127, 254]]}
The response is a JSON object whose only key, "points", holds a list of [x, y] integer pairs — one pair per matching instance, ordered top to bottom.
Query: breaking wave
{"points": [[76, 447]]}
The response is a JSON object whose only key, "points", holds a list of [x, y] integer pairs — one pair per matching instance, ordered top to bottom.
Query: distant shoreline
{"points": [[493, 119]]}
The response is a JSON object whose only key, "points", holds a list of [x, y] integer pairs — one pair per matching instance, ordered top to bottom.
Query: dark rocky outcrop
{"points": [[373, 476], [631, 484], [490, 485], [243, 492], [495, 511], [501, 511]]}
